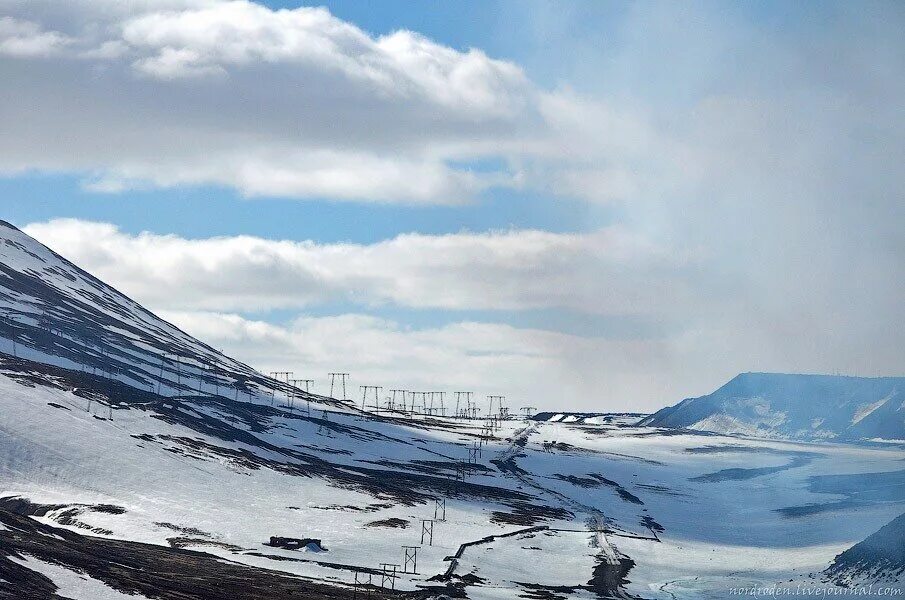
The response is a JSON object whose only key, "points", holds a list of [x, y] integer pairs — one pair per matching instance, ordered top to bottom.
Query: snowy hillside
{"points": [[54, 312], [795, 406], [137, 462], [879, 557]]}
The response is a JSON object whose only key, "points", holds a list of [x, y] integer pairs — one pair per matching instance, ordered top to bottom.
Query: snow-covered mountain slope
{"points": [[52, 311], [795, 406], [877, 559]]}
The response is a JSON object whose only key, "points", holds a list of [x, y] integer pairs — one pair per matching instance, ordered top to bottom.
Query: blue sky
{"points": [[624, 203]]}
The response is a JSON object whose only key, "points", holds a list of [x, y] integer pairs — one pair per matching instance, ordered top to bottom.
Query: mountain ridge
{"points": [[793, 405]]}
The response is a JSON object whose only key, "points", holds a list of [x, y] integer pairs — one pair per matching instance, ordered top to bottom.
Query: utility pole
{"points": [[12, 318], [279, 376], [160, 377], [342, 377], [300, 382], [364, 392], [459, 397], [393, 399], [499, 400], [529, 411], [440, 509], [427, 531], [410, 559], [386, 574]]}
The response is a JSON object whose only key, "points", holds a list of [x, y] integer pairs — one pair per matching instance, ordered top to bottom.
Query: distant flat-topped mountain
{"points": [[795, 406]]}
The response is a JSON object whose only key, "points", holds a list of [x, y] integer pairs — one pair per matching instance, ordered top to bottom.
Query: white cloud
{"points": [[224, 36], [27, 39], [293, 103], [606, 272], [709, 323], [530, 367]]}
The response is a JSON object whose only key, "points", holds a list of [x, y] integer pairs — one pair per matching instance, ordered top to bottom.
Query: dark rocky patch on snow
{"points": [[741, 448], [738, 473], [601, 480], [585, 482], [659, 489], [351, 507], [64, 514], [528, 514], [392, 523], [651, 524], [192, 531], [189, 542], [608, 578], [536, 591]]}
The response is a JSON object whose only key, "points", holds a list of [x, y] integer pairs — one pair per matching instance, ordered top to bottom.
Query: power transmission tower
{"points": [[14, 335], [279, 376], [342, 377], [160, 378], [300, 382], [297, 383], [364, 394], [459, 397], [393, 399], [499, 400], [324, 419], [474, 451], [440, 509], [427, 531], [410, 559], [386, 574], [360, 582]]}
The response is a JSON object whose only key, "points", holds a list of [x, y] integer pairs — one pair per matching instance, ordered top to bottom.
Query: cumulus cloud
{"points": [[222, 37], [19, 38], [293, 103], [605, 272], [709, 323], [531, 367]]}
